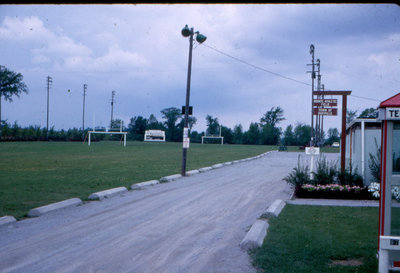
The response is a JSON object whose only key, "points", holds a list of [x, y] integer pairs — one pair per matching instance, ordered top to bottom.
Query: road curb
{"points": [[205, 169], [192, 172], [170, 178], [139, 186], [107, 193], [54, 206], [274, 209], [5, 220], [255, 236]]}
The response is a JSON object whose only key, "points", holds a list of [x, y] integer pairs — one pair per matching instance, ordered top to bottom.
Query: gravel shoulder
{"points": [[193, 224]]}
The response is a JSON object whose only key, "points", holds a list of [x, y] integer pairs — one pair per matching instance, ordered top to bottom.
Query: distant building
{"points": [[363, 137]]}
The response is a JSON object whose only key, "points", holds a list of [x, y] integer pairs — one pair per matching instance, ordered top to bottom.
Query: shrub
{"points": [[326, 172], [299, 175], [350, 177]]}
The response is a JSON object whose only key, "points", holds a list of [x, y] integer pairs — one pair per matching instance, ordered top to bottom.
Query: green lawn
{"points": [[34, 174], [311, 238]]}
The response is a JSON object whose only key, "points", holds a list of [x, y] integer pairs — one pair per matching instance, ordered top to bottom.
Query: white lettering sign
{"points": [[393, 113], [186, 142], [312, 150]]}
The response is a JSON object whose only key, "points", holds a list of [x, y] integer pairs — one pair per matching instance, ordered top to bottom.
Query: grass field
{"points": [[34, 174], [320, 239]]}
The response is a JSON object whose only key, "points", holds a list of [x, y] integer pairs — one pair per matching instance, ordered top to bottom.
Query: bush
{"points": [[326, 172], [299, 176]]}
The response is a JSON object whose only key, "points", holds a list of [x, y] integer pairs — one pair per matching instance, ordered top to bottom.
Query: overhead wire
{"points": [[255, 66], [271, 72]]}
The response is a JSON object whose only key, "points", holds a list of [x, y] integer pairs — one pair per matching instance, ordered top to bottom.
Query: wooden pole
{"points": [[343, 136]]}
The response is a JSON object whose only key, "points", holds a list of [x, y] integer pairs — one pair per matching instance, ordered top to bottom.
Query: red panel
{"points": [[391, 102]]}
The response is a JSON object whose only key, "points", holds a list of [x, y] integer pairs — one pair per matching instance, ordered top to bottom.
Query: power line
{"points": [[255, 66], [274, 73], [365, 98]]}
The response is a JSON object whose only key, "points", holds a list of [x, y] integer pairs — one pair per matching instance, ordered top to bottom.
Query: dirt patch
{"points": [[354, 262]]}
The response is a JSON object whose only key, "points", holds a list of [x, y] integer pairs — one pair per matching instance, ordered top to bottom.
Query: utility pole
{"points": [[1, 69], [49, 82], [312, 94], [112, 107], [83, 112], [318, 118], [322, 118]]}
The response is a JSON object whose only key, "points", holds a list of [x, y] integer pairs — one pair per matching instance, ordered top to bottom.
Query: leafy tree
{"points": [[11, 84], [369, 113], [172, 115], [273, 116], [350, 116], [154, 124], [212, 125], [137, 127], [227, 133], [238, 134], [253, 134], [302, 134], [270, 135], [288, 136], [333, 136]]}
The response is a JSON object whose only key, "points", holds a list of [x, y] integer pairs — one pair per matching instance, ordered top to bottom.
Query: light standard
{"points": [[188, 32]]}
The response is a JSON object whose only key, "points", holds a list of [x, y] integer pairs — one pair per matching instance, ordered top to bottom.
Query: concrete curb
{"points": [[216, 166], [205, 169], [192, 172], [170, 178], [139, 186], [107, 193], [54, 206], [274, 209], [5, 220], [255, 236]]}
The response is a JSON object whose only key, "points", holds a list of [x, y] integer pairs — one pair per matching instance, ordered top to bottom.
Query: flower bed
{"points": [[333, 191]]}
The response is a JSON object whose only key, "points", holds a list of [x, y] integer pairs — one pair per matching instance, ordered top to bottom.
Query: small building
{"points": [[154, 135], [363, 137]]}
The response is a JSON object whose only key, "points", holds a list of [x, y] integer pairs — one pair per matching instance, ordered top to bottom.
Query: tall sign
{"points": [[326, 107]]}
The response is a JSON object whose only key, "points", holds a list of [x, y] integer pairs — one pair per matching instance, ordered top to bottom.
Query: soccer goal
{"points": [[111, 131], [154, 135]]}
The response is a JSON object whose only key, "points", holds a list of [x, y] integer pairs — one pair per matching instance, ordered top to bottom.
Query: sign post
{"points": [[344, 95]]}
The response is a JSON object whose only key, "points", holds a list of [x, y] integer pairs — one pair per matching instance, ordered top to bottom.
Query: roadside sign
{"points": [[325, 102], [325, 111], [186, 142], [312, 150]]}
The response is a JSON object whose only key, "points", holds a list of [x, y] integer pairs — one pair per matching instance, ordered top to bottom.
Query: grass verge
{"points": [[34, 174], [320, 239]]}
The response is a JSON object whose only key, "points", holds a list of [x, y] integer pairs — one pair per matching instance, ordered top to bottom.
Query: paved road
{"points": [[194, 224]]}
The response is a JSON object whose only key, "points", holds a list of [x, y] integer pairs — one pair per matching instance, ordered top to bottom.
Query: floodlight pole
{"points": [[49, 81], [312, 95], [83, 112], [185, 122]]}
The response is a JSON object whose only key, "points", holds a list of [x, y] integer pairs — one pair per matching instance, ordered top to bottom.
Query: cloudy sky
{"points": [[255, 58]]}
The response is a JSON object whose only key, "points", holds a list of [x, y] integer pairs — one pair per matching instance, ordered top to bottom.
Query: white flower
{"points": [[374, 188], [396, 193]]}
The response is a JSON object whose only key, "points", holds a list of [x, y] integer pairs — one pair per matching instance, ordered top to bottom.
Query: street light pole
{"points": [[186, 32], [83, 112], [185, 122]]}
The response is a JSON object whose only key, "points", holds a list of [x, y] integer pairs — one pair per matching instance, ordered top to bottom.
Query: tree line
{"points": [[264, 132]]}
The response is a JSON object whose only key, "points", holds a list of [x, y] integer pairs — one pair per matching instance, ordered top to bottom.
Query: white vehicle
{"points": [[335, 144]]}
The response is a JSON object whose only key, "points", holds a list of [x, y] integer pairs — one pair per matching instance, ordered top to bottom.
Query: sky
{"points": [[255, 57]]}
